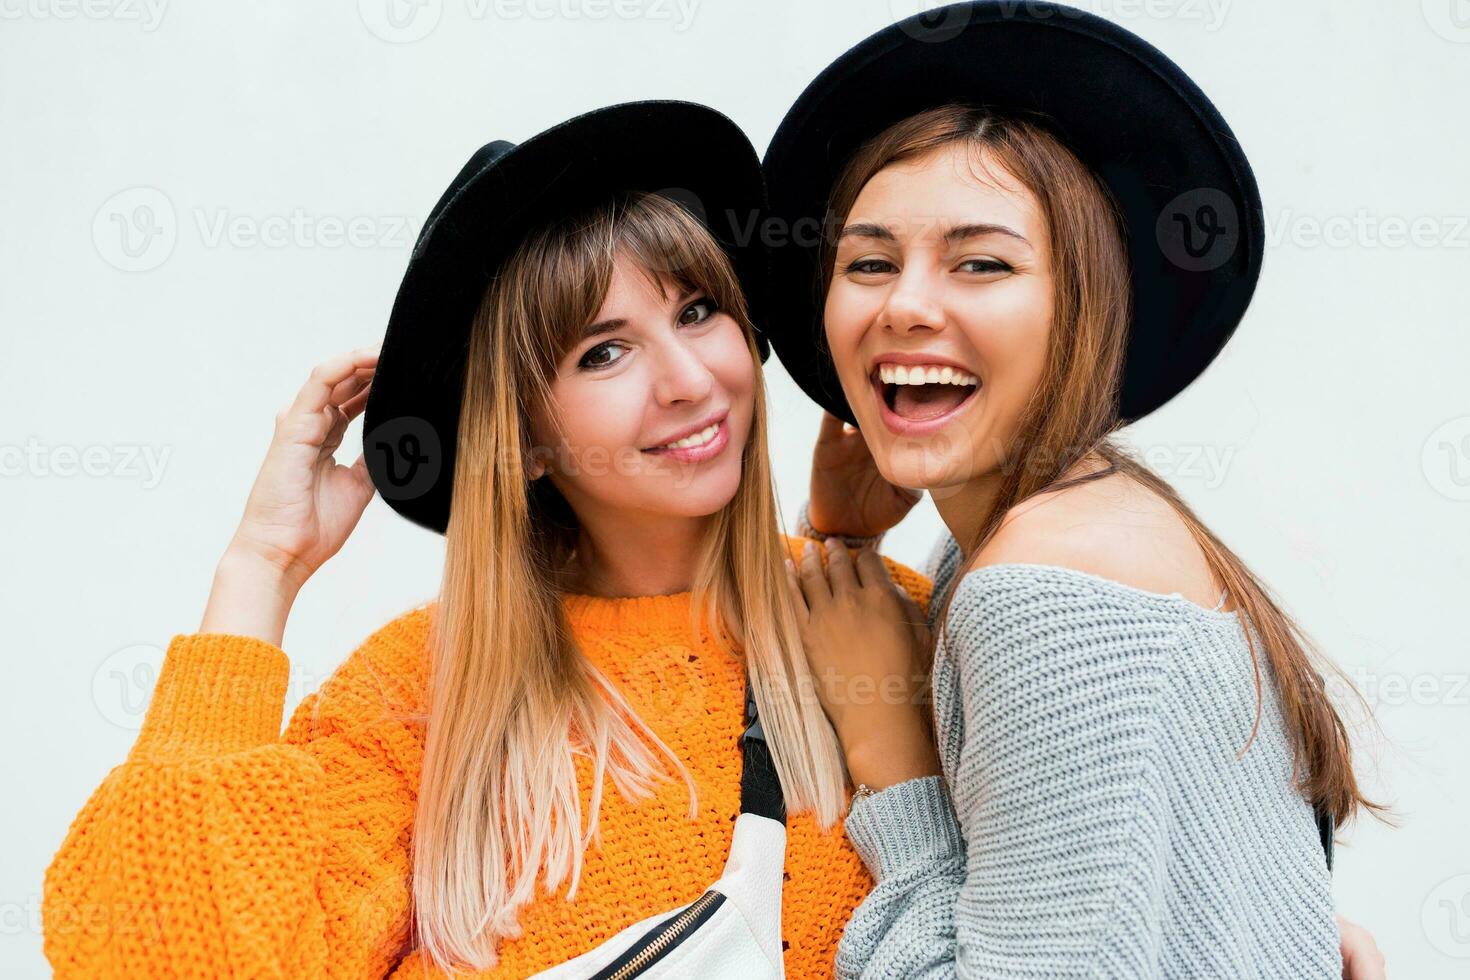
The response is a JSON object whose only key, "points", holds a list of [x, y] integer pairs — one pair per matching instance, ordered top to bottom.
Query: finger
{"points": [[350, 386], [316, 394], [353, 406], [342, 417], [334, 435], [871, 569], [840, 572], [814, 583], [797, 599]]}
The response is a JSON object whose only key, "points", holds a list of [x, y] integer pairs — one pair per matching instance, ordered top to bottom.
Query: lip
{"points": [[901, 426], [710, 448]]}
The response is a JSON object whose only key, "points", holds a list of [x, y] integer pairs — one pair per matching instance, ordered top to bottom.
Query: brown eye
{"points": [[869, 266], [983, 266], [708, 304], [594, 358]]}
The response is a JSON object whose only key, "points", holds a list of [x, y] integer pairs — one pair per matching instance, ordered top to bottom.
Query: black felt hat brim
{"points": [[687, 151], [1191, 209]]}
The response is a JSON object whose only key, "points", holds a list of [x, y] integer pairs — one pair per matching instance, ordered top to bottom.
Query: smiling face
{"points": [[938, 313], [654, 403]]}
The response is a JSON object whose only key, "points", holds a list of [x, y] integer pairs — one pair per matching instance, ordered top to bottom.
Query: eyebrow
{"points": [[958, 233], [617, 323]]}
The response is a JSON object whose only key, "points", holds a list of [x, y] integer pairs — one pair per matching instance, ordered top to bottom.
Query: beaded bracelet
{"points": [[804, 529]]}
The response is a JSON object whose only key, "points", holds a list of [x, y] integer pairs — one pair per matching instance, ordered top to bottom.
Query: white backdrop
{"points": [[200, 201]]}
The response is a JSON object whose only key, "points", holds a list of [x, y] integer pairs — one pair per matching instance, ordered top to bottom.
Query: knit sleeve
{"points": [[222, 847], [1051, 861]]}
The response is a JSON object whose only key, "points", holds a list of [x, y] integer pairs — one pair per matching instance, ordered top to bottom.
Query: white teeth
{"points": [[899, 374], [698, 439]]}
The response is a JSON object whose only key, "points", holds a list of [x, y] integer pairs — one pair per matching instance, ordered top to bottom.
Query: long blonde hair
{"points": [[1075, 409], [511, 699]]}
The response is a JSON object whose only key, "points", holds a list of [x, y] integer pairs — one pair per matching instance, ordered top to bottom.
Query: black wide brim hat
{"points": [[687, 152], [1189, 203]]}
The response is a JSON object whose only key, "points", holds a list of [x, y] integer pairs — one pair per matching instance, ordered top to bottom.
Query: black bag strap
{"points": [[760, 787], [1325, 827], [1325, 830]]}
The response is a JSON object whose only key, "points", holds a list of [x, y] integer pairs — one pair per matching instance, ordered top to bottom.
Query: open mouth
{"points": [[924, 393]]}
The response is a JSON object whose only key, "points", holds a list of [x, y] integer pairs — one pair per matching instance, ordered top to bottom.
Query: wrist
{"points": [[814, 522], [261, 570], [250, 596], [880, 763]]}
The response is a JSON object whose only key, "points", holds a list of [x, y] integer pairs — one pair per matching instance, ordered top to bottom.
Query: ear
{"points": [[536, 464]]}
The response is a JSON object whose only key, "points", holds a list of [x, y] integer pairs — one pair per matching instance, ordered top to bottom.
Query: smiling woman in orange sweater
{"points": [[440, 801]]}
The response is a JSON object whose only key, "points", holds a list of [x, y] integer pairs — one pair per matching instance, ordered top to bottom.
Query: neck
{"points": [[963, 507], [635, 555]]}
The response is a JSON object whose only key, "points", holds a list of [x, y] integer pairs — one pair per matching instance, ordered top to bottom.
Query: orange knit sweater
{"points": [[223, 847]]}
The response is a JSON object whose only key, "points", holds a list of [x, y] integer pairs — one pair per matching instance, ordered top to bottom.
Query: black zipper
{"points": [[662, 938]]}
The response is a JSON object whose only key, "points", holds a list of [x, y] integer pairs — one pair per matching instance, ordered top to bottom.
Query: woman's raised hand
{"points": [[848, 494], [302, 506]]}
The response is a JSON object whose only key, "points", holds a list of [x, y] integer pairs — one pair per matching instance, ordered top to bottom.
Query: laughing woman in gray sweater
{"points": [[1129, 744]]}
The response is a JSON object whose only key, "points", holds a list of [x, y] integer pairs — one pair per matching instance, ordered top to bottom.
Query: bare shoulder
{"points": [[1113, 527]]}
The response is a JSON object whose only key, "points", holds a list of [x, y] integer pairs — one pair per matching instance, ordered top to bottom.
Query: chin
{"points": [[713, 493]]}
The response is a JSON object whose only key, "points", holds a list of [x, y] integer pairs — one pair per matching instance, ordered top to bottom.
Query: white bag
{"points": [[733, 930]]}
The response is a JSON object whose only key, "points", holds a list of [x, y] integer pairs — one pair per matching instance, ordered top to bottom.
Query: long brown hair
{"points": [[1071, 416], [512, 700]]}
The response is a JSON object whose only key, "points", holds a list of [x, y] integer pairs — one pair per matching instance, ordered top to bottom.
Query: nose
{"points": [[912, 304], [682, 375]]}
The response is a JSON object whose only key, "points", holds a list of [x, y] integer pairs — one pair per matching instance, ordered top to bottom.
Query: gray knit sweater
{"points": [[1093, 819]]}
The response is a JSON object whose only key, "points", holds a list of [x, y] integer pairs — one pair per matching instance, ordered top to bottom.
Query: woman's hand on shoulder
{"points": [[868, 646]]}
